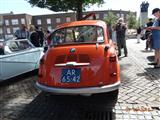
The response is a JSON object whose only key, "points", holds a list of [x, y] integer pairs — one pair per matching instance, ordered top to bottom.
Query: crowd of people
{"points": [[151, 33], [35, 34]]}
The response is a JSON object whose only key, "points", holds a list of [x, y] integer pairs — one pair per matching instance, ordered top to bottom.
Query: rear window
{"points": [[78, 34]]}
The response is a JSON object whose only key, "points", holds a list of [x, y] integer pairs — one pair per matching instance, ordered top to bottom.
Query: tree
{"points": [[65, 5], [110, 19], [132, 22]]}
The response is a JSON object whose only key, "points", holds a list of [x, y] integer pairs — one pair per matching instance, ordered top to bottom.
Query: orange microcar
{"points": [[81, 60]]}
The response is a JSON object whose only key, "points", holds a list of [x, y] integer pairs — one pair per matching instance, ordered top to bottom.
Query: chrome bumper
{"points": [[88, 90]]}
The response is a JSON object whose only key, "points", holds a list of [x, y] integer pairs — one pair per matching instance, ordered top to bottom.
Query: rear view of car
{"points": [[82, 60]]}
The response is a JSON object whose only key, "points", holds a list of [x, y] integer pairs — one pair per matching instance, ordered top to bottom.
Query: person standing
{"points": [[22, 33], [148, 33], [138, 34], [41, 35], [121, 35], [34, 37], [156, 37], [48, 38]]}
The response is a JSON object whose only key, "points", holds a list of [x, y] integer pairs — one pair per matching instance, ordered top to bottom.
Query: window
{"points": [[118, 15], [97, 16], [105, 16], [68, 19], [58, 20], [14, 21], [22, 21], [29, 21], [48, 21], [6, 22], [39, 22], [15, 28], [49, 28], [8, 30], [1, 31], [77, 35], [19, 45]]}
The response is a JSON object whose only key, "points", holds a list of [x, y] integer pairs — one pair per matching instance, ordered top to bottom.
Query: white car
{"points": [[18, 57]]}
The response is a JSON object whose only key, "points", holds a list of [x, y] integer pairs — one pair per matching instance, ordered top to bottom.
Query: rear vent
{"points": [[72, 57], [83, 58], [60, 59]]}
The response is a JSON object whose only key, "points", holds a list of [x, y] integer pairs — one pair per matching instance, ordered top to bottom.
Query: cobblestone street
{"points": [[138, 99]]}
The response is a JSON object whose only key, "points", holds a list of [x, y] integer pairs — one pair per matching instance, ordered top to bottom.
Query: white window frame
{"points": [[105, 15], [118, 15], [97, 16], [68, 19], [48, 20], [58, 20], [14, 21], [23, 21], [29, 21], [6, 22], [39, 22], [49, 28], [8, 31]]}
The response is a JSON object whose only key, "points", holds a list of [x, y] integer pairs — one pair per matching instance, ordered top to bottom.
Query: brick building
{"points": [[9, 23]]}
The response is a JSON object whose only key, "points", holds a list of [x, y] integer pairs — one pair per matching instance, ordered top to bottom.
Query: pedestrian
{"points": [[22, 33], [138, 34], [147, 34], [41, 35], [121, 35], [34, 37], [48, 37], [156, 37]]}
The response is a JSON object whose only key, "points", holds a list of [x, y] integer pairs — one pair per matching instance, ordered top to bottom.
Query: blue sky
{"points": [[21, 6]]}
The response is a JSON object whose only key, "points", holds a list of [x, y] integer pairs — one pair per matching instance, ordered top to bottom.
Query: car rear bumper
{"points": [[88, 90]]}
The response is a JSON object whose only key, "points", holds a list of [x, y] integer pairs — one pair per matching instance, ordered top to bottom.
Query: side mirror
{"points": [[106, 47]]}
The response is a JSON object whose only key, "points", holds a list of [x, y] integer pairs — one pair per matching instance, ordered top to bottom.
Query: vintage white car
{"points": [[18, 57]]}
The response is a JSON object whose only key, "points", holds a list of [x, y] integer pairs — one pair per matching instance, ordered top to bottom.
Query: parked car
{"points": [[17, 57], [82, 60]]}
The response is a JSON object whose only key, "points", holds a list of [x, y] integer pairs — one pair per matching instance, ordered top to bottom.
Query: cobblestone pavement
{"points": [[138, 99]]}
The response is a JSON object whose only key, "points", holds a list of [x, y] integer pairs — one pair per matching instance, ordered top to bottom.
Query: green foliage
{"points": [[64, 5], [110, 19], [132, 22]]}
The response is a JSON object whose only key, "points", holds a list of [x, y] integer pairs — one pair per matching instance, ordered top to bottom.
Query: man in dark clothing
{"points": [[148, 33], [121, 34], [41, 35]]}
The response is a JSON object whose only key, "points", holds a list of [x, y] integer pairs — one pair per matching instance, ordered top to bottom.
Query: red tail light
{"points": [[112, 58]]}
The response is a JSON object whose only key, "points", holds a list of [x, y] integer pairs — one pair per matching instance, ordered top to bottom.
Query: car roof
{"points": [[81, 23]]}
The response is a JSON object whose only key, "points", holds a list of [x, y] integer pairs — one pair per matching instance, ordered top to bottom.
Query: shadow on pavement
{"points": [[150, 58], [151, 73], [18, 78], [65, 107]]}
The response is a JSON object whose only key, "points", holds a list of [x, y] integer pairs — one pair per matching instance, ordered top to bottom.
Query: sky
{"points": [[22, 6]]}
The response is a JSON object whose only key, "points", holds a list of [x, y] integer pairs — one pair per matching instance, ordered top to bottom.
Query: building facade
{"points": [[9, 23]]}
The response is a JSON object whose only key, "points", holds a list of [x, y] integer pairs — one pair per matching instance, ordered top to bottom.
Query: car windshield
{"points": [[78, 34], [19, 45]]}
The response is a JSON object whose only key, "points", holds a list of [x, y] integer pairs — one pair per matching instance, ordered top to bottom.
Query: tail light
{"points": [[112, 58]]}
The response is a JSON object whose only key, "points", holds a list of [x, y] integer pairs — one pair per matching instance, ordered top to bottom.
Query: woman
{"points": [[156, 37]]}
